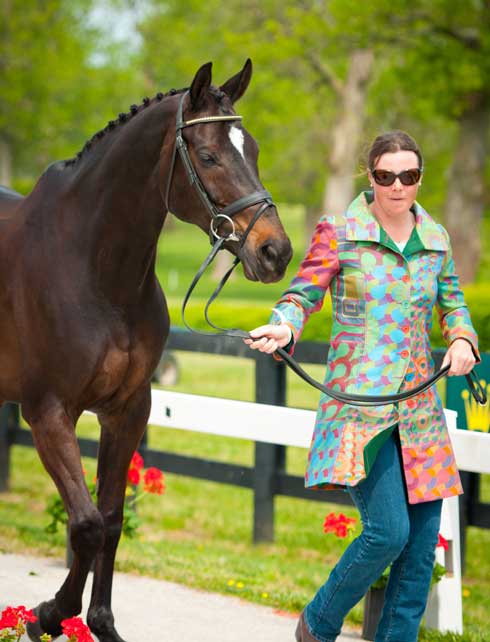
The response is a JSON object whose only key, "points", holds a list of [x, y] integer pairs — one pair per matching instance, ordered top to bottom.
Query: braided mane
{"points": [[121, 119]]}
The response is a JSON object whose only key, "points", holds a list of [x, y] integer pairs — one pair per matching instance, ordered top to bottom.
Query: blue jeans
{"points": [[394, 532]]}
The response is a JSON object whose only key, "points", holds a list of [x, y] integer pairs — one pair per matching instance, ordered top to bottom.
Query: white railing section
{"points": [[293, 427]]}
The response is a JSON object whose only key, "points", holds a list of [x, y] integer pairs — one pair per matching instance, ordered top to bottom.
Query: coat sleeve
{"points": [[307, 290], [454, 316]]}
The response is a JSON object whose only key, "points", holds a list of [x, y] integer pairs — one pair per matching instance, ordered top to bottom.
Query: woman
{"points": [[386, 263]]}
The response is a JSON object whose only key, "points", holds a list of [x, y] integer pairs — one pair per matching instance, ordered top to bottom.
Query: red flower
{"points": [[137, 461], [134, 476], [154, 483], [338, 524], [442, 541], [11, 617], [76, 631]]}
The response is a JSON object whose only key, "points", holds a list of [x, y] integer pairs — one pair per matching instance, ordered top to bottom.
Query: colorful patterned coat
{"points": [[382, 305]]}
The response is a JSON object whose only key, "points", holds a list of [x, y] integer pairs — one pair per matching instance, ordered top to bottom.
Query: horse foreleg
{"points": [[54, 436], [120, 437]]}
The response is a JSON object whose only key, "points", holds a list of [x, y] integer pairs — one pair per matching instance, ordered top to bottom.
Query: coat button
{"points": [[405, 278], [406, 328], [404, 354]]}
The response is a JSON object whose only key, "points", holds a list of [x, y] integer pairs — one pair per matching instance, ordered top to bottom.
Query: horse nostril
{"points": [[269, 252]]}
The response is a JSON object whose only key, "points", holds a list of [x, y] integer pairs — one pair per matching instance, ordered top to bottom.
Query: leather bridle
{"points": [[218, 216]]}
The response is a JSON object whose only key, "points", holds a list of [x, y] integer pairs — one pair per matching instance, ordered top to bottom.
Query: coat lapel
{"points": [[361, 225], [430, 233]]}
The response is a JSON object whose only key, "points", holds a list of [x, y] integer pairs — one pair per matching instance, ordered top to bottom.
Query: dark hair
{"points": [[395, 141]]}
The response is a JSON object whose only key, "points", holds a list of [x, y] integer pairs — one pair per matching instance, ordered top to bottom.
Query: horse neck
{"points": [[120, 204]]}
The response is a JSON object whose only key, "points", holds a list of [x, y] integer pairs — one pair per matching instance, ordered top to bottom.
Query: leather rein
{"points": [[264, 200]]}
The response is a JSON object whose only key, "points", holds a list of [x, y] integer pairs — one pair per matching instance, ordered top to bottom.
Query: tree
{"points": [[445, 57], [330, 74], [307, 78], [54, 93]]}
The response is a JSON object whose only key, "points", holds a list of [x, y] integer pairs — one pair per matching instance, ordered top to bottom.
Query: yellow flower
{"points": [[231, 582], [239, 584], [466, 592], [264, 595]]}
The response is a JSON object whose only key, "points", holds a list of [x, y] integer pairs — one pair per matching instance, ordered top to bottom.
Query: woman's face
{"points": [[396, 199]]}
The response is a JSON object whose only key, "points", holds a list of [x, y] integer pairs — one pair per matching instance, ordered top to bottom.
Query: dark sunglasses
{"points": [[385, 178]]}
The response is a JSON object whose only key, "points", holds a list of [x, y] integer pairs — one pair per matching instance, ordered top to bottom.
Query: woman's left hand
{"points": [[460, 356]]}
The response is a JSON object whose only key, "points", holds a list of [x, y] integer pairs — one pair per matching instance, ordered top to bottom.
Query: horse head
{"points": [[221, 157]]}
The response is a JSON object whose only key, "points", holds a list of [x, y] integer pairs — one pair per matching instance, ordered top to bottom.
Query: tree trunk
{"points": [[347, 132], [5, 164], [465, 194], [312, 214]]}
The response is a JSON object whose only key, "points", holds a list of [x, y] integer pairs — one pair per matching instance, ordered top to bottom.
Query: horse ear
{"points": [[200, 85], [236, 86]]}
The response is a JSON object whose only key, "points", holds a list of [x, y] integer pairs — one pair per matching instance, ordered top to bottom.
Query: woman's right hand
{"points": [[267, 338]]}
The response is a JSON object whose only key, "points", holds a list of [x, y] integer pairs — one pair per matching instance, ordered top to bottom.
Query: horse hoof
{"points": [[36, 629], [104, 631], [109, 635]]}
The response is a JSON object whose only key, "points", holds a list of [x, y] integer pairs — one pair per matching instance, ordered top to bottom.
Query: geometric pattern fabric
{"points": [[382, 308]]}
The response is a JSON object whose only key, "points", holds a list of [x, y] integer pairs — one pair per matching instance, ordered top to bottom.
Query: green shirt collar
{"points": [[413, 245]]}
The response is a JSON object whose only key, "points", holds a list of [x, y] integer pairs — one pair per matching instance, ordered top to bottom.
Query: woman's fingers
{"points": [[265, 331], [267, 338], [264, 344], [460, 357], [461, 366]]}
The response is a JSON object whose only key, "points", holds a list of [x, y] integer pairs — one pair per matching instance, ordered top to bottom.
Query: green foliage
{"points": [[55, 94], [290, 103], [56, 510], [131, 521], [438, 573], [382, 580]]}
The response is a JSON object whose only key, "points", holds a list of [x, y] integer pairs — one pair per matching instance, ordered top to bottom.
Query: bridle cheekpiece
{"points": [[218, 216]]}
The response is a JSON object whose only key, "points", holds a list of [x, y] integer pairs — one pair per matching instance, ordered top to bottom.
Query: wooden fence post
{"points": [[270, 388], [9, 420]]}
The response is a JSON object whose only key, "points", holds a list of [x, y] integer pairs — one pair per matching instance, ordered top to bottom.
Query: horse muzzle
{"points": [[267, 261]]}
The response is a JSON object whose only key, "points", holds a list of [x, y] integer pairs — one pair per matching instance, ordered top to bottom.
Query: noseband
{"points": [[218, 216]]}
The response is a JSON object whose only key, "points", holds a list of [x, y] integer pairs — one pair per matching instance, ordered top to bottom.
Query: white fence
{"points": [[293, 427]]}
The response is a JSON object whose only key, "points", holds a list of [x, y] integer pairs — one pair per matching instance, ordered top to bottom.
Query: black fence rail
{"points": [[268, 477]]}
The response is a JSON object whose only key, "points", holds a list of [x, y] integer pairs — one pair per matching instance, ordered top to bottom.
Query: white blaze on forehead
{"points": [[237, 138]]}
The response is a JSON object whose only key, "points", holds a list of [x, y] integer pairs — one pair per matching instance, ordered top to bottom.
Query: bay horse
{"points": [[83, 320]]}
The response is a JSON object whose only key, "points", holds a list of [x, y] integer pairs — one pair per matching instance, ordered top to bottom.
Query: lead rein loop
{"points": [[472, 381]]}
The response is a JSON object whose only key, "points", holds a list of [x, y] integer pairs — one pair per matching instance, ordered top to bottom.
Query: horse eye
{"points": [[207, 159]]}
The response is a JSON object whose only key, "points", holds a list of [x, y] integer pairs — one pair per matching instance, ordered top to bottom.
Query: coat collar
{"points": [[361, 225]]}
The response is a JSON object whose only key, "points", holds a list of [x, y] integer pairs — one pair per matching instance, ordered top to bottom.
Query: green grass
{"points": [[199, 533]]}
